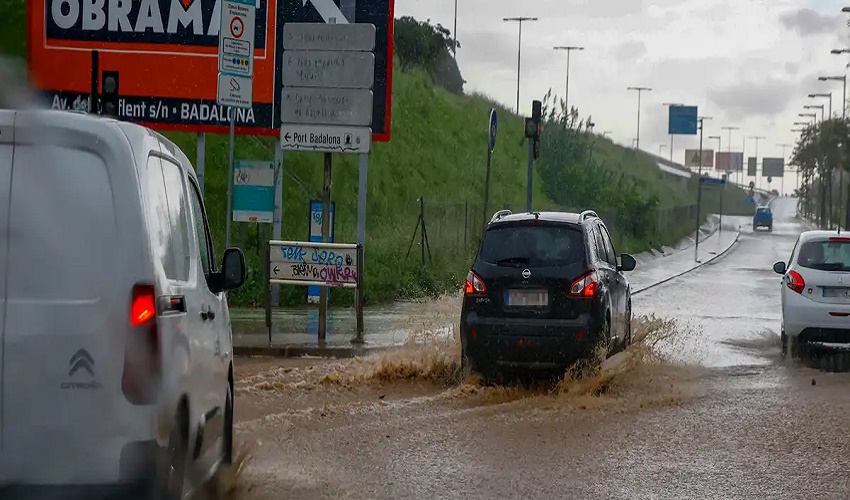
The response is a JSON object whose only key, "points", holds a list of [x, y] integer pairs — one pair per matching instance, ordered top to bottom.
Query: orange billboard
{"points": [[166, 53]]}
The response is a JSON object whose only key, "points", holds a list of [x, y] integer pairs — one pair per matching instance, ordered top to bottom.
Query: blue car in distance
{"points": [[763, 218]]}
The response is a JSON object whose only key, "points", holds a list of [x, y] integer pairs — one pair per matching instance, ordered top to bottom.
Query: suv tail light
{"points": [[796, 282], [474, 285], [586, 286], [140, 381]]}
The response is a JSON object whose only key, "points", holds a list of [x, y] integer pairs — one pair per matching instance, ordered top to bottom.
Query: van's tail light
{"points": [[796, 282], [474, 285], [586, 286], [142, 375]]}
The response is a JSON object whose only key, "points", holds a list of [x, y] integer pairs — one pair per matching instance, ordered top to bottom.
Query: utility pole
{"points": [[519, 20], [568, 48], [639, 91], [700, 121], [757, 139], [729, 146], [784, 148]]}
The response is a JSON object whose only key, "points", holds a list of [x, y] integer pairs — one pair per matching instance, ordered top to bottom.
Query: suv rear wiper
{"points": [[512, 260]]}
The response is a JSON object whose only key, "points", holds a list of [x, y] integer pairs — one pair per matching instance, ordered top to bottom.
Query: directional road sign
{"points": [[377, 13], [328, 68], [326, 106], [683, 120], [326, 139], [709, 181]]}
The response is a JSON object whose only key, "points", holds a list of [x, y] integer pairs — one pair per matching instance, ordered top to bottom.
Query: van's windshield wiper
{"points": [[512, 260]]}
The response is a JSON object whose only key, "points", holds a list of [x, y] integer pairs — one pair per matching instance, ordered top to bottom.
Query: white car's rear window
{"points": [[825, 255]]}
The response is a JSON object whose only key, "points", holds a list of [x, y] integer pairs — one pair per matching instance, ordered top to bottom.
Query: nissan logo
{"points": [[526, 274]]}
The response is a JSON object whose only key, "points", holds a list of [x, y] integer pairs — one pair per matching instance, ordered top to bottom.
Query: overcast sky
{"points": [[745, 63]]}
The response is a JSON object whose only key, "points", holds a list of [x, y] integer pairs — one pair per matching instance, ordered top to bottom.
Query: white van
{"points": [[116, 362]]}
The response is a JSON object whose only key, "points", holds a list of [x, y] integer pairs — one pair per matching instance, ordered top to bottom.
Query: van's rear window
{"points": [[540, 245]]}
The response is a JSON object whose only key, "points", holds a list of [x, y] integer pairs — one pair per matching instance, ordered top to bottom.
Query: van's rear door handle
{"points": [[208, 314]]}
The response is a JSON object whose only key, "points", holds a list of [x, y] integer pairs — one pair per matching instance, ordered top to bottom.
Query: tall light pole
{"points": [[519, 20], [454, 35], [569, 49], [839, 79], [639, 91], [826, 94], [668, 105], [816, 106], [809, 115], [700, 121], [757, 139], [729, 145], [784, 148]]}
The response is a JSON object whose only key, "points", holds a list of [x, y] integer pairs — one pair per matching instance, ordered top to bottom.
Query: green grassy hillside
{"points": [[438, 153]]}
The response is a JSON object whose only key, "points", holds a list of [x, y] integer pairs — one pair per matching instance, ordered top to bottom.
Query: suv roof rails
{"points": [[588, 214], [498, 215]]}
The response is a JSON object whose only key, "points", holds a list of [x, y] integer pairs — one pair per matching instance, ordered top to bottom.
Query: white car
{"points": [[816, 292], [116, 364]]}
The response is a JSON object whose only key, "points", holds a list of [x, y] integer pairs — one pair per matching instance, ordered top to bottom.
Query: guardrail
{"points": [[329, 265]]}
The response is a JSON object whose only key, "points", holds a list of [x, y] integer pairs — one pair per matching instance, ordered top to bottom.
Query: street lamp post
{"points": [[519, 20], [569, 49], [839, 79], [639, 91], [826, 94], [668, 104], [818, 106], [809, 115], [700, 121], [757, 139], [729, 145], [784, 148]]}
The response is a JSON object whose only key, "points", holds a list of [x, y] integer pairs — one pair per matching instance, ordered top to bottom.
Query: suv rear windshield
{"points": [[763, 210], [538, 245], [825, 255]]}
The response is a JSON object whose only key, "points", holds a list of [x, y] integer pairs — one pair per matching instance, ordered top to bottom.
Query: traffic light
{"points": [[109, 95], [533, 127]]}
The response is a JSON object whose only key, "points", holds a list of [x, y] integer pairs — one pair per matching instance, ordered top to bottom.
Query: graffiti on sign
{"points": [[309, 263]]}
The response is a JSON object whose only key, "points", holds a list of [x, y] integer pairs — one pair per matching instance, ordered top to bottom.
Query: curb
{"points": [[709, 261], [286, 351]]}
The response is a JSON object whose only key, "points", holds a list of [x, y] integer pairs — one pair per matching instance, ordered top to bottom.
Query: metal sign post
{"points": [[235, 75], [327, 106], [491, 146]]}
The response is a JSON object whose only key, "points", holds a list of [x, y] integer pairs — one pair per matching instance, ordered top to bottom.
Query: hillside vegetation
{"points": [[438, 153]]}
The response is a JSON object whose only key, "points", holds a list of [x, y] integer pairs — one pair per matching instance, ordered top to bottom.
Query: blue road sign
{"points": [[377, 12], [494, 119], [683, 120], [709, 181], [316, 237]]}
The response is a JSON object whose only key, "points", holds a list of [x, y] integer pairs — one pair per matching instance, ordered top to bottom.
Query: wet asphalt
{"points": [[721, 416]]}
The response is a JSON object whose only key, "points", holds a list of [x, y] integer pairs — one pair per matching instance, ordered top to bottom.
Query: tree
{"points": [[420, 44], [823, 150]]}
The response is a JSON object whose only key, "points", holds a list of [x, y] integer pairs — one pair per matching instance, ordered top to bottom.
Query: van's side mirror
{"points": [[627, 263], [779, 268], [233, 272]]}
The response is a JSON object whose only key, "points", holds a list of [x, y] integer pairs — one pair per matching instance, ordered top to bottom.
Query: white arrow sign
{"points": [[328, 10]]}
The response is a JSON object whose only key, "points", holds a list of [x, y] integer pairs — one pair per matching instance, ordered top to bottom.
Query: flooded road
{"points": [[702, 407]]}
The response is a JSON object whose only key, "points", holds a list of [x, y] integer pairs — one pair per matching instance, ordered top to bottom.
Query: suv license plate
{"points": [[842, 293], [527, 298]]}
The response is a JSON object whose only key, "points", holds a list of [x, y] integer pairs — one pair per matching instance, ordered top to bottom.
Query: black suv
{"points": [[544, 291]]}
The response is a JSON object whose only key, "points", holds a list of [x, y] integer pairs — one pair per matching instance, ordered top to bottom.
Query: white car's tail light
{"points": [[796, 282]]}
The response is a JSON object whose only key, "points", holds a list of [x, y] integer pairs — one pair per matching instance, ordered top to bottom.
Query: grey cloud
{"points": [[808, 22], [630, 51], [745, 100]]}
